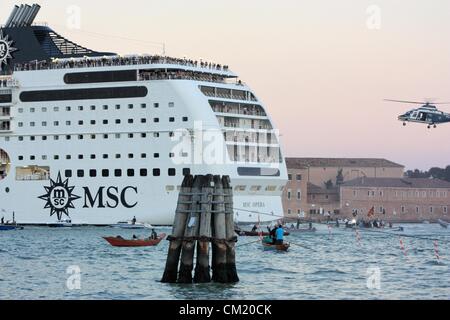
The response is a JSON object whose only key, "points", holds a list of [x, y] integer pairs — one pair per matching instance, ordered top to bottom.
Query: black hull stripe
{"points": [[84, 94]]}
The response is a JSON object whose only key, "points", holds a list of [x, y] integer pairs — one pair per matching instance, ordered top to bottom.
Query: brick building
{"points": [[313, 186], [396, 199]]}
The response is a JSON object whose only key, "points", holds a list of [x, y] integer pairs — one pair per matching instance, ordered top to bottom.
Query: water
{"points": [[34, 262]]}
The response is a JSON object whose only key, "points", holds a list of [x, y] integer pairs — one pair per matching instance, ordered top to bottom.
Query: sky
{"points": [[321, 67]]}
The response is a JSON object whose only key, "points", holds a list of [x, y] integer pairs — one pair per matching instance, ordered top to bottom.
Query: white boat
{"points": [[61, 224], [130, 225]]}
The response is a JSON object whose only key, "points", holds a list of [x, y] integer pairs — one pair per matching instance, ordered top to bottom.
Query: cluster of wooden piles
{"points": [[204, 216]]}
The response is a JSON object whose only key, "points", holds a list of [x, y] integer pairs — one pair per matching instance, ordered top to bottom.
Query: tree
{"points": [[435, 173]]}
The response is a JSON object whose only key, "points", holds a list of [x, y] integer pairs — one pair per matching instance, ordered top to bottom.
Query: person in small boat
{"points": [[3, 220], [133, 221], [310, 226], [255, 228], [273, 234], [154, 235], [279, 235], [135, 237]]}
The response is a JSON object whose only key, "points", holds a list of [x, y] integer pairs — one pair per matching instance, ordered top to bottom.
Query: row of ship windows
{"points": [[94, 108], [94, 122], [94, 136], [104, 156], [105, 173]]}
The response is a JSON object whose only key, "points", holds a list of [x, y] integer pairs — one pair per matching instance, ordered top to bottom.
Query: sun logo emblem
{"points": [[5, 49], [59, 197]]}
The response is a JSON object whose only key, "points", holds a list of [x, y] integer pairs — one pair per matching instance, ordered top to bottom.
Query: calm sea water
{"points": [[34, 262]]}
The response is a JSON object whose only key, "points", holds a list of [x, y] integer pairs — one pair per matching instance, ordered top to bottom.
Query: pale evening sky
{"points": [[321, 72]]}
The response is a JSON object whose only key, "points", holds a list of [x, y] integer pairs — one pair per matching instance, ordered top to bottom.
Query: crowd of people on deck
{"points": [[108, 61], [180, 75]]}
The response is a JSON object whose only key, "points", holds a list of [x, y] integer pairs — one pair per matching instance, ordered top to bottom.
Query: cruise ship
{"points": [[101, 138]]}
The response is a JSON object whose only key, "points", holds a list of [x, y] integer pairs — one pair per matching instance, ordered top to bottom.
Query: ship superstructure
{"points": [[103, 137]]}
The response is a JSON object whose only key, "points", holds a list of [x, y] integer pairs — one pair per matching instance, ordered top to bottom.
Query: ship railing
{"points": [[111, 61]]}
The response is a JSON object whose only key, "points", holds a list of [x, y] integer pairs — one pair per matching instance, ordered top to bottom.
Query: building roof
{"points": [[302, 163], [397, 183], [315, 189]]}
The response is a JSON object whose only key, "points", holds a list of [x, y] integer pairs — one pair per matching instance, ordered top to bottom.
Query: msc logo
{"points": [[5, 49], [59, 197]]}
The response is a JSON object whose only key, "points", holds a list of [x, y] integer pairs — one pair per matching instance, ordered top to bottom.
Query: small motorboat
{"points": [[61, 224], [351, 224], [444, 224], [130, 225], [9, 227], [399, 229], [121, 242], [268, 245]]}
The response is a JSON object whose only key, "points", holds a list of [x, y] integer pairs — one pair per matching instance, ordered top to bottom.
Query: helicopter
{"points": [[427, 114]]}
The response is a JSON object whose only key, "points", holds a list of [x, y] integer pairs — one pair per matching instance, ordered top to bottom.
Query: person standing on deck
{"points": [[133, 221], [279, 235]]}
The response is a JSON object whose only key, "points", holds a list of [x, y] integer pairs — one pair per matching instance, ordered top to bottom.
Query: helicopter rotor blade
{"points": [[401, 101], [417, 102]]}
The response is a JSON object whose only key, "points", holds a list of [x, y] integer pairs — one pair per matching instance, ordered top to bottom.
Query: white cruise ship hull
{"points": [[105, 138]]}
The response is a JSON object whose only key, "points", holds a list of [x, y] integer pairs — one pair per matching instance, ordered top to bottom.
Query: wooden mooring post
{"points": [[183, 208], [204, 215], [191, 233], [220, 233], [202, 268], [232, 276]]}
